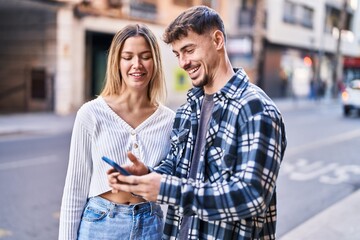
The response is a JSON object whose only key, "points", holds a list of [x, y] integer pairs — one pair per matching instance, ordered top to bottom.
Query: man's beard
{"points": [[202, 82]]}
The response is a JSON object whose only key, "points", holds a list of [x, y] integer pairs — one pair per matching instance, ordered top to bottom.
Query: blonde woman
{"points": [[127, 117]]}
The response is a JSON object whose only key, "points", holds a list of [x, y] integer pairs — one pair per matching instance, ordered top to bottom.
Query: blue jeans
{"points": [[106, 220]]}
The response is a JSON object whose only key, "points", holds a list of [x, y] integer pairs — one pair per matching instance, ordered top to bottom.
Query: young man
{"points": [[227, 144]]}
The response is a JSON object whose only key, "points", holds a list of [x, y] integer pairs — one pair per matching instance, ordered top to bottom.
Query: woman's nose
{"points": [[137, 62]]}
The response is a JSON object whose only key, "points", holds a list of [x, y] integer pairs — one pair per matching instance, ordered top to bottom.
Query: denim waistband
{"points": [[137, 208]]}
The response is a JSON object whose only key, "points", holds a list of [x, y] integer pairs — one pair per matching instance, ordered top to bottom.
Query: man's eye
{"points": [[190, 51]]}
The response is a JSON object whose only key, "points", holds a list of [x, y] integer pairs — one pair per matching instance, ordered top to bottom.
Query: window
{"points": [[209, 3], [143, 10], [289, 12], [298, 14], [246, 15], [307, 17], [332, 19], [38, 84]]}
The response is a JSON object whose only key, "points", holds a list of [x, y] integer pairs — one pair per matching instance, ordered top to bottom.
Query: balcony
{"points": [[139, 10], [143, 10], [246, 18]]}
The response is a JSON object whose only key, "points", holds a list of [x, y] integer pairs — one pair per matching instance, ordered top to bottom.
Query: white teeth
{"points": [[193, 70], [136, 74]]}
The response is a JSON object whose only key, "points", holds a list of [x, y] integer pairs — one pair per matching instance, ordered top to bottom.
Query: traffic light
{"points": [[307, 61]]}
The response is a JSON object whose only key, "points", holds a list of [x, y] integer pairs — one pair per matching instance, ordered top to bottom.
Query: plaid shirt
{"points": [[233, 196]]}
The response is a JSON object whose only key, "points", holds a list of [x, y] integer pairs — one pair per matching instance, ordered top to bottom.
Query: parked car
{"points": [[351, 97]]}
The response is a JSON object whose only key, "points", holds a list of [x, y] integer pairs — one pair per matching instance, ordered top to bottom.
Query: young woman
{"points": [[127, 117]]}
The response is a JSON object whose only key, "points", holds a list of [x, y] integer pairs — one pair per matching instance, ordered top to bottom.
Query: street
{"points": [[321, 164], [321, 167], [32, 175]]}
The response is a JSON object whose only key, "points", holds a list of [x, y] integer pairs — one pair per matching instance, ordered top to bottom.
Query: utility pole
{"points": [[258, 40], [337, 68]]}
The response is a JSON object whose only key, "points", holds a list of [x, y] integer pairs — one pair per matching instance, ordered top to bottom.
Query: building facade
{"points": [[300, 47], [53, 52]]}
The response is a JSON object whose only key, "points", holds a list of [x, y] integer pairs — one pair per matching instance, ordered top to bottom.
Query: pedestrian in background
{"points": [[284, 79], [128, 116], [227, 144]]}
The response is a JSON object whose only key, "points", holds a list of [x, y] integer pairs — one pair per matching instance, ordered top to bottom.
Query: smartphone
{"points": [[116, 166]]}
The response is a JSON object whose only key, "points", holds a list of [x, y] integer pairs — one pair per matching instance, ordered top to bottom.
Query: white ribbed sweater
{"points": [[98, 131]]}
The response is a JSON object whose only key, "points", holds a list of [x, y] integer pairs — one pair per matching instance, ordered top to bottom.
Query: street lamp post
{"points": [[337, 68]]}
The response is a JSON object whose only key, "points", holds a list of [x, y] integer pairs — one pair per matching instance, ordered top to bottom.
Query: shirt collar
{"points": [[232, 89]]}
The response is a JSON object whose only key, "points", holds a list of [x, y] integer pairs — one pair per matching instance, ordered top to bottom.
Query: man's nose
{"points": [[183, 62]]}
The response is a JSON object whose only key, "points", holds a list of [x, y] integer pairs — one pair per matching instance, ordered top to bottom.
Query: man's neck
{"points": [[221, 77]]}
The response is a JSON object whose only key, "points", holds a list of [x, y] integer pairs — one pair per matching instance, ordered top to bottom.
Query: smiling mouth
{"points": [[191, 71], [137, 74]]}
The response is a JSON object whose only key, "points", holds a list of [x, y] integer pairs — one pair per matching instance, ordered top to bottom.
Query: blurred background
{"points": [[53, 53], [303, 54]]}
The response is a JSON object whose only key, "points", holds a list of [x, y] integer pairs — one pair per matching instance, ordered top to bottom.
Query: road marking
{"points": [[325, 142], [28, 162], [303, 170], [328, 173], [341, 174], [5, 233]]}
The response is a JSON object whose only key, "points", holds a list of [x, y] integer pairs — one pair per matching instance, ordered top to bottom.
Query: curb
{"points": [[340, 221]]}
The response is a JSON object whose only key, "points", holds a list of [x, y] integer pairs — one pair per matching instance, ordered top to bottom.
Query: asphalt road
{"points": [[321, 167], [32, 175]]}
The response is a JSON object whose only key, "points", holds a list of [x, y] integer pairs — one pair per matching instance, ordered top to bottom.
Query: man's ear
{"points": [[219, 39]]}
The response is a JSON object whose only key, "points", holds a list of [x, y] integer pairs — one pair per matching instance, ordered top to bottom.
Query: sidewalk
{"points": [[294, 104], [27, 123], [13, 125], [340, 221]]}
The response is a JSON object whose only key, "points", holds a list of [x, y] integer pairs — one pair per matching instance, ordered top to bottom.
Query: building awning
{"points": [[351, 62]]}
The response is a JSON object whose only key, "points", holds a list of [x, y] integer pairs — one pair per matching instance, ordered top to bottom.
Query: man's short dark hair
{"points": [[199, 19]]}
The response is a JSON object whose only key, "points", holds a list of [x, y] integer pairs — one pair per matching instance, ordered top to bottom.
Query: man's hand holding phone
{"points": [[137, 168], [139, 183]]}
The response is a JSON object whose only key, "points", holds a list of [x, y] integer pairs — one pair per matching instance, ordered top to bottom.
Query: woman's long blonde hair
{"points": [[113, 79]]}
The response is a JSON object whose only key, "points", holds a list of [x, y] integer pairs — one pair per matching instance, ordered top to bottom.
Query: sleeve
{"points": [[168, 164], [77, 179], [241, 191]]}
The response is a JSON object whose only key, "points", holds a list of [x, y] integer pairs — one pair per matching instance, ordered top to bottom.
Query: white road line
{"points": [[324, 142], [28, 162]]}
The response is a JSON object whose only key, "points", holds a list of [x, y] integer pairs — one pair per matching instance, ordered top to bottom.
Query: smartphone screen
{"points": [[116, 166]]}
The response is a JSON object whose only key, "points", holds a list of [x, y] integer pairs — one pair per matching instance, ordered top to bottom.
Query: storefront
{"points": [[351, 69]]}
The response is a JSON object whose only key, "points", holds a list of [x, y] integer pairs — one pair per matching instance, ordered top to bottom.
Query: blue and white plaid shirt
{"points": [[233, 196]]}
